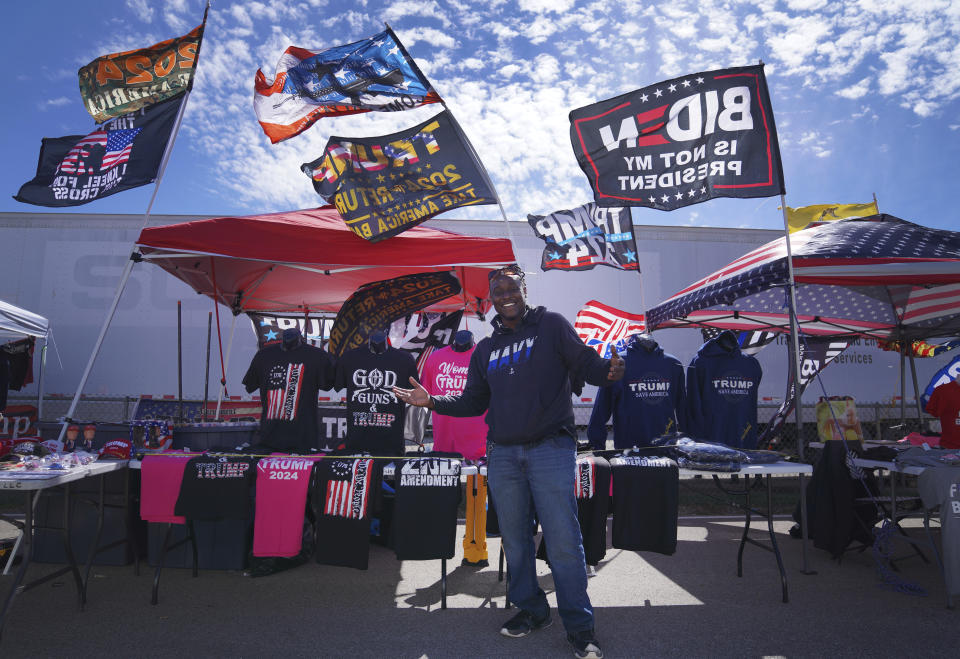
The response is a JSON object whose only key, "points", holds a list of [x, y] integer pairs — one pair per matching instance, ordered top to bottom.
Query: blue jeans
{"points": [[540, 478]]}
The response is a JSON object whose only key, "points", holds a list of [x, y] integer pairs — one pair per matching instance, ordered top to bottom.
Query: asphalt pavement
{"points": [[690, 604]]}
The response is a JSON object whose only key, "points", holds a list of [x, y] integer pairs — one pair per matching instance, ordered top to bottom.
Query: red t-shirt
{"points": [[944, 403]]}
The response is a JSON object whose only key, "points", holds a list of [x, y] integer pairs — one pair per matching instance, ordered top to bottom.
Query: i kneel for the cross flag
{"points": [[682, 141]]}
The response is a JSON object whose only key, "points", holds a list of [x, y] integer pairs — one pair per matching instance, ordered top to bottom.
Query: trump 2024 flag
{"points": [[374, 74], [681, 142], [121, 154], [384, 185], [586, 236], [601, 326]]}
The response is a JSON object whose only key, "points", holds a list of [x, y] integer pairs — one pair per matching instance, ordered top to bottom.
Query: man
{"points": [[522, 374]]}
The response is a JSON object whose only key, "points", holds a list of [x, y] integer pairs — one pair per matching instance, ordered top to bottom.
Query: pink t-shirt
{"points": [[445, 373], [160, 479], [282, 483]]}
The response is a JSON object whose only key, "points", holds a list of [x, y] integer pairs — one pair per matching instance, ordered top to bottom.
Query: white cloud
{"points": [[546, 6], [407, 8], [142, 9], [427, 36], [857, 90], [55, 102]]}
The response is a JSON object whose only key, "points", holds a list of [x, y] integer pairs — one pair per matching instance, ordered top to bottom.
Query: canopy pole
{"points": [[794, 333], [96, 348], [224, 365], [43, 366], [206, 376], [903, 382], [916, 390]]}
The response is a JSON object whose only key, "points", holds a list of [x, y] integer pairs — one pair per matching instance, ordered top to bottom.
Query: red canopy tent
{"points": [[308, 260]]}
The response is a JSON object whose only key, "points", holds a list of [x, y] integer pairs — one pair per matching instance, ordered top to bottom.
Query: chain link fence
{"points": [[880, 421]]}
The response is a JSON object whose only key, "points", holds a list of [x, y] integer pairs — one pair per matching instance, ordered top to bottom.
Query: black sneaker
{"points": [[481, 563], [523, 623], [585, 645]]}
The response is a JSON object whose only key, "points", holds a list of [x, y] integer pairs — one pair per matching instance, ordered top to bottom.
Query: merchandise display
{"points": [[289, 375], [722, 385], [648, 402], [374, 414], [216, 487], [346, 492], [646, 497], [281, 498], [425, 512]]}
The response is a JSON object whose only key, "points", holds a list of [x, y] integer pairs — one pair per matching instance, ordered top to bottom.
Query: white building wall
{"points": [[66, 266]]}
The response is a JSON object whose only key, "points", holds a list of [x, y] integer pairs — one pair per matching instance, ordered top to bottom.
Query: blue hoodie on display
{"points": [[722, 385], [648, 402]]}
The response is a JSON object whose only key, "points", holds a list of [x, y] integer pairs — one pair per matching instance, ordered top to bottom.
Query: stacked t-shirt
{"points": [[445, 374], [289, 381], [374, 413], [345, 493], [646, 495], [425, 511]]}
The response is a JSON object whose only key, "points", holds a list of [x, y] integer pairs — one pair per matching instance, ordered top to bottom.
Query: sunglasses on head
{"points": [[511, 269]]}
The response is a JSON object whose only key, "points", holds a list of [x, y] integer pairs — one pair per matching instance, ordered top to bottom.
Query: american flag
{"points": [[118, 143], [119, 146], [73, 162], [886, 276], [601, 326]]}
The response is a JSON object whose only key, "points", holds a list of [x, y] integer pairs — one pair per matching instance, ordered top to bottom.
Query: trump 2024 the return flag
{"points": [[374, 74], [682, 141], [121, 154], [384, 185], [583, 237]]}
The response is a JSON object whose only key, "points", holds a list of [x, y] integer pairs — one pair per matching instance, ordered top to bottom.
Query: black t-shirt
{"points": [[289, 381], [374, 413], [216, 487], [592, 489], [346, 492], [646, 495], [425, 511]]}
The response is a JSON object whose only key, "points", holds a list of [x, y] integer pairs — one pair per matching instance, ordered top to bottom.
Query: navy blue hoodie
{"points": [[523, 376], [722, 386], [648, 402]]}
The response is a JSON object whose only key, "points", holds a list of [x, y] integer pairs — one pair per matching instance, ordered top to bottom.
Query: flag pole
{"points": [[456, 125], [483, 172], [134, 254], [124, 277], [794, 330]]}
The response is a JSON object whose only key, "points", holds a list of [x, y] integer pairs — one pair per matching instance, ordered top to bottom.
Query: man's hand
{"points": [[617, 366], [417, 396]]}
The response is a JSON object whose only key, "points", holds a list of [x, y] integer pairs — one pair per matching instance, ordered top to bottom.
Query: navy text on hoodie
{"points": [[523, 376]]}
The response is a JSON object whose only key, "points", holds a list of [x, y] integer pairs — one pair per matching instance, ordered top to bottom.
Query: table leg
{"points": [[747, 510], [804, 529], [27, 536], [773, 539], [95, 545], [68, 548], [443, 583]]}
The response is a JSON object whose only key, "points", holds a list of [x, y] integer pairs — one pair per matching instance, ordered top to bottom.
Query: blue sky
{"points": [[865, 94]]}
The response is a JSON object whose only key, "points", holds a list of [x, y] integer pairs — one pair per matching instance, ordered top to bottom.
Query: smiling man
{"points": [[522, 374]]}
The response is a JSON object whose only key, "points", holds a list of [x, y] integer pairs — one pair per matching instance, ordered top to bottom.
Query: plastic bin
{"points": [[201, 437]]}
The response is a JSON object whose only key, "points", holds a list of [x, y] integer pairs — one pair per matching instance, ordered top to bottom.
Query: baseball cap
{"points": [[116, 448]]}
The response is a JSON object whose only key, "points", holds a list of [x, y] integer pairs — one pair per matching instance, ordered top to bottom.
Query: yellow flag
{"points": [[800, 218]]}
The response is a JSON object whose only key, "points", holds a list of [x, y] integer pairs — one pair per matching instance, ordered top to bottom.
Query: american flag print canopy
{"points": [[877, 276]]}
